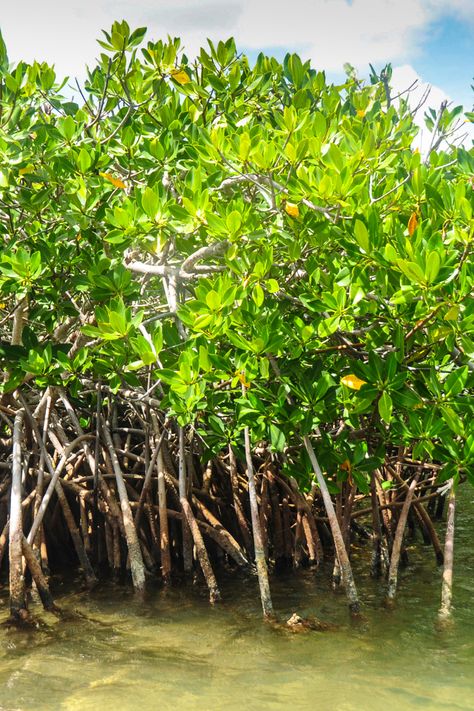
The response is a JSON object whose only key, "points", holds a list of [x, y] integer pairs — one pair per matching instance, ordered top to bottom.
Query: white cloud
{"points": [[331, 32], [405, 76]]}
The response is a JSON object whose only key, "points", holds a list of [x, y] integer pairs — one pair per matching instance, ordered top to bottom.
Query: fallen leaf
{"points": [[116, 182], [292, 209], [412, 223], [352, 381]]}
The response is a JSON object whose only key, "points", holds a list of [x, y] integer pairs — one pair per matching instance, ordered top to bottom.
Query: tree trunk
{"points": [[183, 494], [241, 520], [164, 529], [397, 541], [134, 550], [84, 561], [260, 561], [204, 562], [346, 570], [37, 575], [447, 586], [18, 610]]}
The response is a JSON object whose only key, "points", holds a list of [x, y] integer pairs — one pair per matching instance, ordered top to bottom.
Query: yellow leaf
{"points": [[180, 76], [360, 113], [27, 169], [116, 182], [292, 209], [412, 223], [2, 305], [452, 314], [242, 379], [352, 381], [346, 466]]}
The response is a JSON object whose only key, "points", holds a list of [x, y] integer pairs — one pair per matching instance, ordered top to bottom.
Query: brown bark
{"points": [[147, 480], [183, 493], [239, 512], [265, 514], [423, 514], [217, 526], [277, 526], [287, 534], [397, 541], [134, 550], [165, 555], [84, 561], [260, 561], [204, 562], [344, 562], [37, 575], [447, 586], [18, 610]]}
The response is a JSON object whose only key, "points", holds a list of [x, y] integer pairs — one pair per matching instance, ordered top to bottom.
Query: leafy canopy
{"points": [[263, 246]]}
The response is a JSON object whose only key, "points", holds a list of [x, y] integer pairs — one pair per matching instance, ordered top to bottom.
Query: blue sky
{"points": [[432, 40], [448, 59]]}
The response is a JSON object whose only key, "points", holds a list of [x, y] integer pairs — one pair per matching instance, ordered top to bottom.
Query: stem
{"points": [[55, 473], [147, 480], [183, 492], [241, 520], [164, 531], [397, 542], [134, 550], [260, 561], [204, 562], [344, 562], [346, 570], [37, 575], [447, 586], [18, 610]]}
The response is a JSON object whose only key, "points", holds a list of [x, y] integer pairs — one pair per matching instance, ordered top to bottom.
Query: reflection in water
{"points": [[175, 652]]}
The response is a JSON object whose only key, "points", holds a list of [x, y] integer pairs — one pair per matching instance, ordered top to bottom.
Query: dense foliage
{"points": [[253, 246]]}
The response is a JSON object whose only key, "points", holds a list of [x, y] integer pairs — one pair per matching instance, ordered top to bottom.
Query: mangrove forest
{"points": [[236, 326]]}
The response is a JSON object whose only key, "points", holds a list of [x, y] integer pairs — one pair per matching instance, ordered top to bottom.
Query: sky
{"points": [[428, 40]]}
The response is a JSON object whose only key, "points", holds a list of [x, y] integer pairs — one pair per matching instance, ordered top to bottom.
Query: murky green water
{"points": [[175, 652]]}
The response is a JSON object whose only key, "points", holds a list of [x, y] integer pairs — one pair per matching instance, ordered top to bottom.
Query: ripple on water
{"points": [[175, 652]]}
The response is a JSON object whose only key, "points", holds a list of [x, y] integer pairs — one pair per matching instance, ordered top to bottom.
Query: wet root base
{"points": [[120, 490]]}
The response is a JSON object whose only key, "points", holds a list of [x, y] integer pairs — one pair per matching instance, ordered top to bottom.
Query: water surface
{"points": [[174, 652]]}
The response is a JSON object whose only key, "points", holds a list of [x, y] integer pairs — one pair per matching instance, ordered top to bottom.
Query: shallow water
{"points": [[175, 652]]}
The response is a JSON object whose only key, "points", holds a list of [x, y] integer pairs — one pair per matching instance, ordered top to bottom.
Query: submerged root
{"points": [[135, 497]]}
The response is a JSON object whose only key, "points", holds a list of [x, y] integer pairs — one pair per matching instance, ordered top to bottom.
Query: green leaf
{"points": [[66, 127], [84, 160], [150, 202], [233, 222], [362, 236], [433, 264], [411, 270], [272, 286], [258, 295], [213, 300], [455, 382], [385, 407], [277, 438]]}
